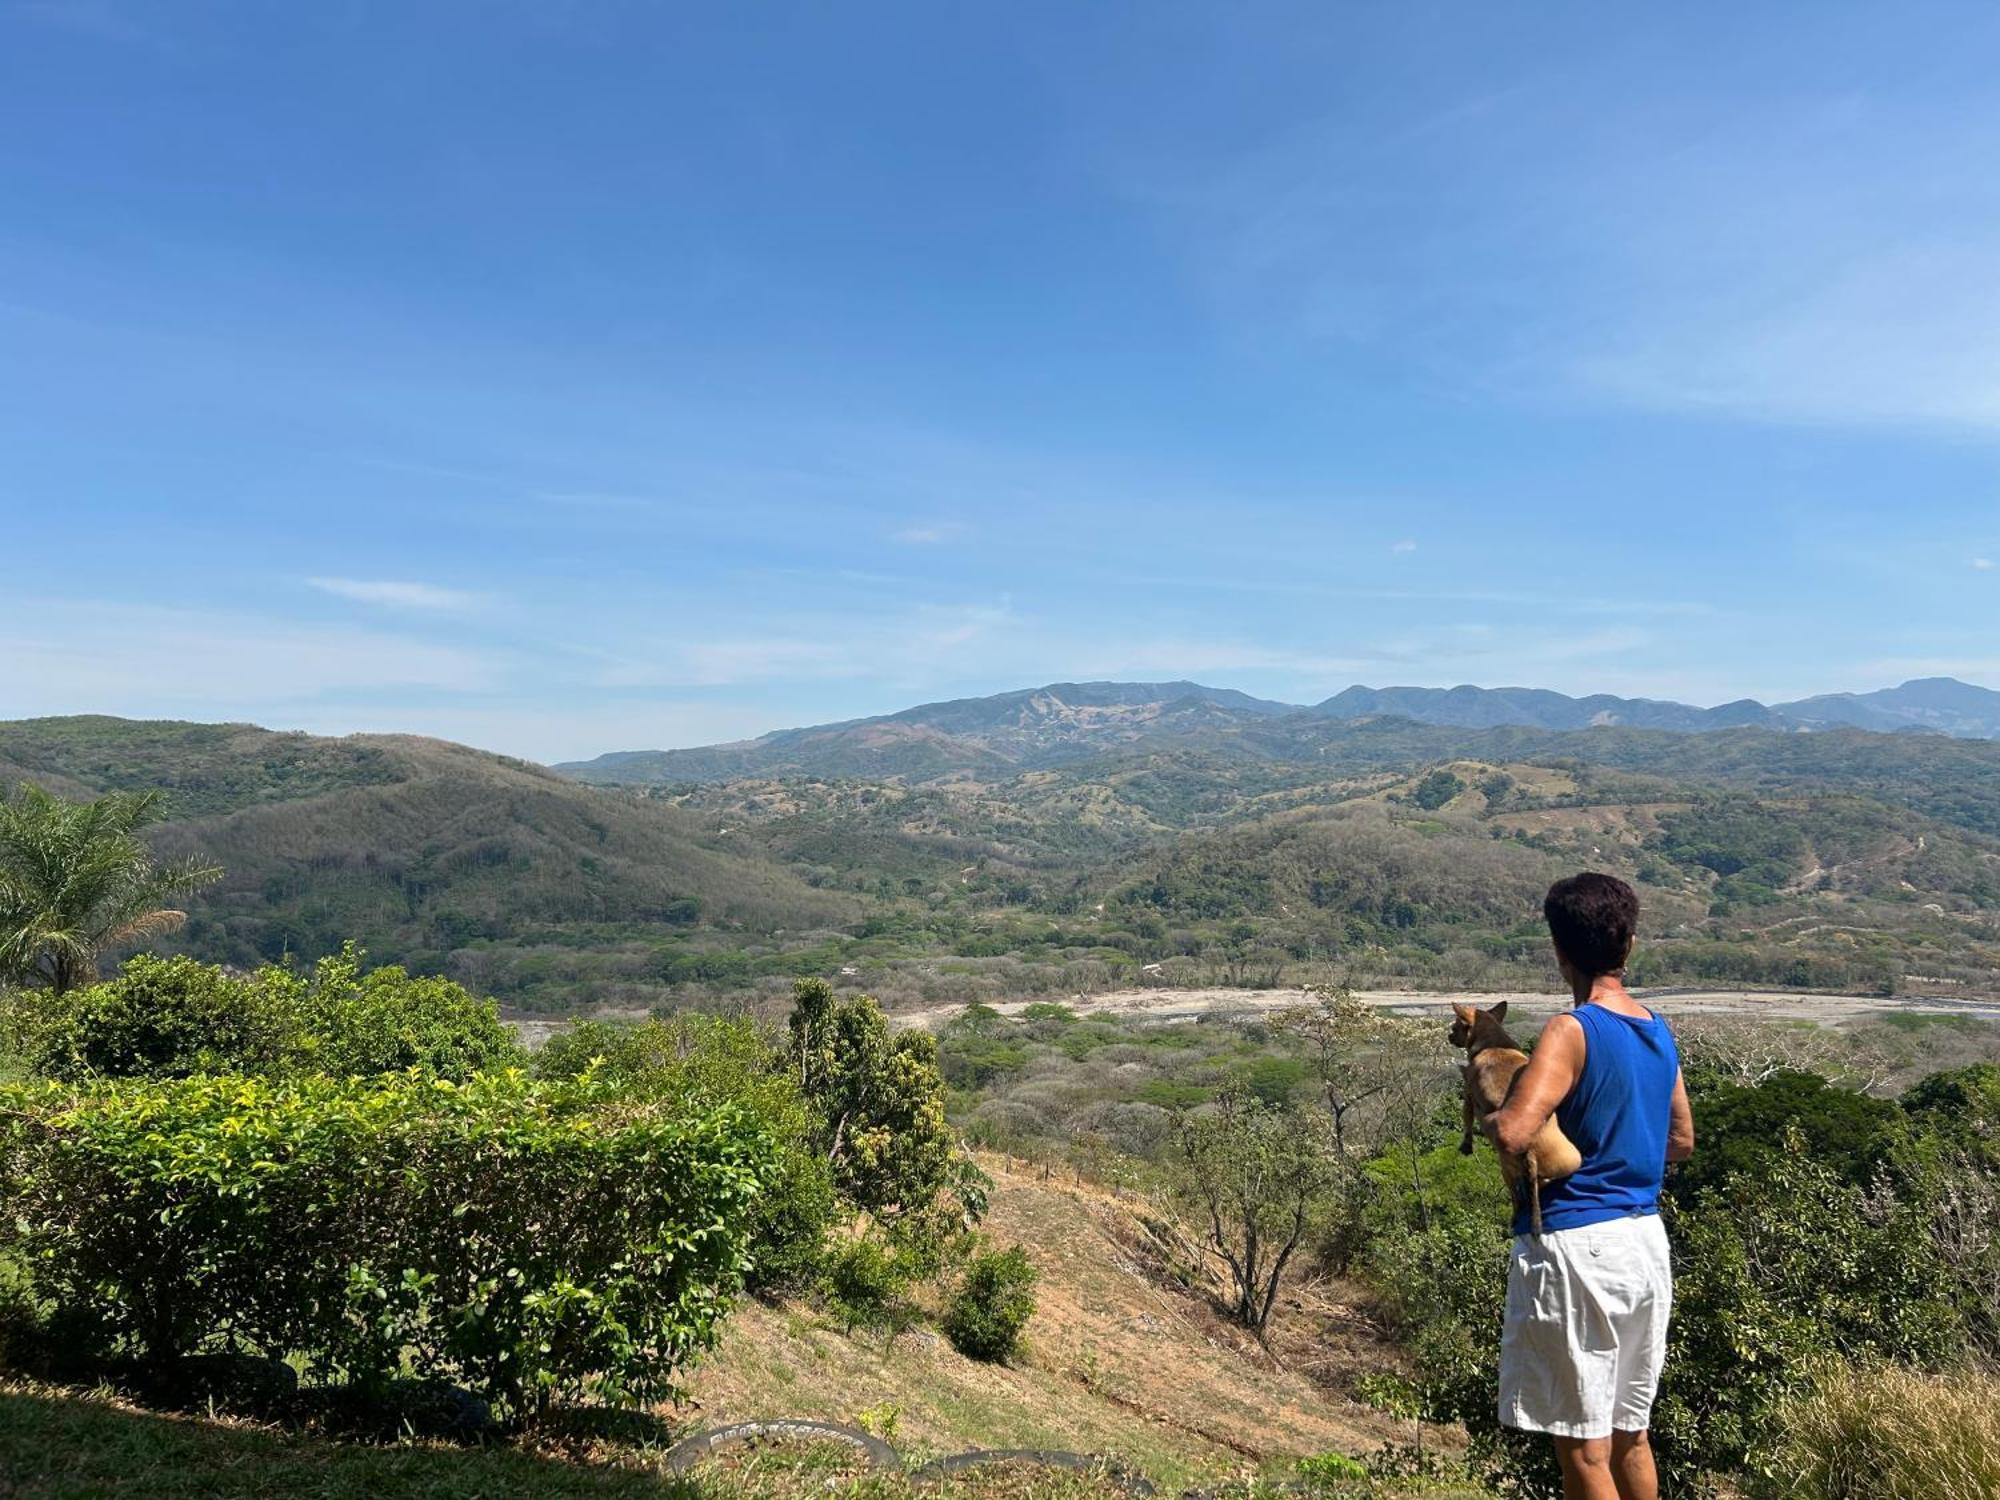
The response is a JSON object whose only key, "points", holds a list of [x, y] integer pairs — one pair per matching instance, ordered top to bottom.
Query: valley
{"points": [[1042, 848]]}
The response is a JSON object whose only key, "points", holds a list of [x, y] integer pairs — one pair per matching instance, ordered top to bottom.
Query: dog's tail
{"points": [[1535, 1194]]}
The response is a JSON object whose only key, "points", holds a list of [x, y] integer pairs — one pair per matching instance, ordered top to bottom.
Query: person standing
{"points": [[1588, 1300]]}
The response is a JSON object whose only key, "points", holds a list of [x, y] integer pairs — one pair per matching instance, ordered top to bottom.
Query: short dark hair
{"points": [[1592, 918]]}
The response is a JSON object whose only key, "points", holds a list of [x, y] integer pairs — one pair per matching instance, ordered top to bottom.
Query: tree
{"points": [[76, 878], [1360, 1054], [879, 1100], [1263, 1177]]}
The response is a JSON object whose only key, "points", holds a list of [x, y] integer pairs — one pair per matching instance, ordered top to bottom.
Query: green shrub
{"points": [[174, 1017], [164, 1018], [358, 1022], [718, 1061], [526, 1240], [1776, 1271], [867, 1286], [994, 1300], [1886, 1433], [1330, 1470]]}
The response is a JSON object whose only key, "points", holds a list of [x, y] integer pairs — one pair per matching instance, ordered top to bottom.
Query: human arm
{"points": [[1552, 1071], [1680, 1123]]}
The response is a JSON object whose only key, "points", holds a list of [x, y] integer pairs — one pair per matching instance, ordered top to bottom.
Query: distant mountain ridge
{"points": [[1069, 721]]}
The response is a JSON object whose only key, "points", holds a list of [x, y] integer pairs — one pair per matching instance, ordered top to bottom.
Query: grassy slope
{"points": [[1114, 1364]]}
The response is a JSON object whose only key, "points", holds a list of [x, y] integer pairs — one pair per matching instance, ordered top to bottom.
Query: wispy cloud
{"points": [[1670, 240], [931, 534], [1402, 549], [1983, 564], [396, 594], [100, 656]]}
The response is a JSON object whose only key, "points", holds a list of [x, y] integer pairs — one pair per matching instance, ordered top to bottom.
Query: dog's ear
{"points": [[1499, 1012], [1465, 1013]]}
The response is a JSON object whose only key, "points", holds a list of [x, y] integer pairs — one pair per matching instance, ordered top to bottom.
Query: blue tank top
{"points": [[1617, 1115]]}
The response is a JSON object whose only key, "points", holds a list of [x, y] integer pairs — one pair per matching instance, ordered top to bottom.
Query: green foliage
{"points": [[1436, 789], [77, 878], [173, 1017], [167, 1018], [383, 1020], [710, 1061], [879, 1102], [1961, 1106], [1743, 1126], [1261, 1179], [528, 1240], [1781, 1266], [867, 1286], [992, 1305], [1319, 1470]]}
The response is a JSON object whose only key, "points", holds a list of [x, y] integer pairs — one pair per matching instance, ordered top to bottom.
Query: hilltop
{"points": [[1037, 728], [426, 852]]}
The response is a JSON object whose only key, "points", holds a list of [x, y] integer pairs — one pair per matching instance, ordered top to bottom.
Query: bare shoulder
{"points": [[1562, 1023], [1563, 1032]]}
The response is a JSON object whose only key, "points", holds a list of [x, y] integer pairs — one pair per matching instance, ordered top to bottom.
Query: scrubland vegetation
{"points": [[1276, 854], [335, 1199]]}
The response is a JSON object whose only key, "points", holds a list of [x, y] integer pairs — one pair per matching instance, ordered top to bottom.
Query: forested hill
{"points": [[1066, 722], [1278, 848], [429, 853]]}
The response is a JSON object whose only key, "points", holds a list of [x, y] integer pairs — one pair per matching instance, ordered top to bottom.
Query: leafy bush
{"points": [[174, 1017], [165, 1018], [357, 1022], [716, 1061], [879, 1102], [1743, 1127], [526, 1240], [1776, 1271], [867, 1286], [994, 1300], [1886, 1433], [1322, 1470]]}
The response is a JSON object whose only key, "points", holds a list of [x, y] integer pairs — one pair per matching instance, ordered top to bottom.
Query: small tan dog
{"points": [[1492, 1062]]}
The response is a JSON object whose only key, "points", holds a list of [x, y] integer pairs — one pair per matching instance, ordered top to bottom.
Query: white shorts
{"points": [[1586, 1328]]}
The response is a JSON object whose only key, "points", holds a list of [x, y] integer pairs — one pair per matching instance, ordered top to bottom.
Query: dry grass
{"points": [[1115, 1364], [1889, 1433]]}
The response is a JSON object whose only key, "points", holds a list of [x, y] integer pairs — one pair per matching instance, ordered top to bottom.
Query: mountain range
{"points": [[1067, 721]]}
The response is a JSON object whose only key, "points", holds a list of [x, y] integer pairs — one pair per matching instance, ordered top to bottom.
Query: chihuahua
{"points": [[1492, 1062]]}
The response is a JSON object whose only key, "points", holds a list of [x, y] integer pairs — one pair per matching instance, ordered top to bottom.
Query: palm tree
{"points": [[76, 878]]}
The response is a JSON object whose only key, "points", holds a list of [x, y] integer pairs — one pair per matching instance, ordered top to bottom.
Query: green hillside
{"points": [[1377, 850], [441, 857]]}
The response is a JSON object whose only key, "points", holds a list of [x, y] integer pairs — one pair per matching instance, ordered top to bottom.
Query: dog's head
{"points": [[1471, 1025]]}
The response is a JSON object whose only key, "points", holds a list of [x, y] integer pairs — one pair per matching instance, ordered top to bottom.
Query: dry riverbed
{"points": [[1773, 1005]]}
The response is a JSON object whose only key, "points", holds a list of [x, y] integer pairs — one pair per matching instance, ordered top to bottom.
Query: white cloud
{"points": [[1793, 250], [934, 534], [1403, 548], [1983, 564], [394, 594], [99, 657], [534, 732]]}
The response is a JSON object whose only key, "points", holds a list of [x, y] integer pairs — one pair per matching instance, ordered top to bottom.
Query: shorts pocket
{"points": [[1545, 1291]]}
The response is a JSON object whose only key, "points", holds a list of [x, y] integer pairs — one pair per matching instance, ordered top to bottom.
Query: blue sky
{"points": [[565, 377]]}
